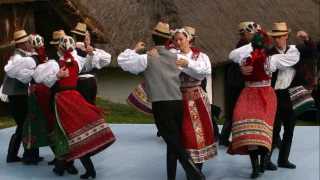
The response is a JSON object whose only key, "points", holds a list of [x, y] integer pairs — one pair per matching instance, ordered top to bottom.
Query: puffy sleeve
{"points": [[241, 53], [101, 58], [130, 61], [283, 61], [17, 64], [201, 66], [46, 73], [25, 75]]}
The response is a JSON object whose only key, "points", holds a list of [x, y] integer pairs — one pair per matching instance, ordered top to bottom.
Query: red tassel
{"points": [[42, 53]]}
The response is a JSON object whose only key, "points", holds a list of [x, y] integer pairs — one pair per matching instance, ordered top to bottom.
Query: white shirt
{"points": [[100, 59], [130, 61], [283, 62], [135, 63], [20, 67], [46, 73]]}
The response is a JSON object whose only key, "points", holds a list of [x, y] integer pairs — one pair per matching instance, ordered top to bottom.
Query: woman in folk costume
{"points": [[256, 107], [40, 118], [197, 130], [80, 131]]}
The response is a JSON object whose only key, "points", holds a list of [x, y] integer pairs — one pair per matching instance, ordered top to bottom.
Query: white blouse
{"points": [[283, 62], [199, 68], [46, 73]]}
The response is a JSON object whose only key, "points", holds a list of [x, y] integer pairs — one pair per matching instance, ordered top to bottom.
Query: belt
{"points": [[84, 78]]}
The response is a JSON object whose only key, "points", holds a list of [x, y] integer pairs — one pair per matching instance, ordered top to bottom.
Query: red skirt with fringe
{"points": [[253, 119], [80, 129]]}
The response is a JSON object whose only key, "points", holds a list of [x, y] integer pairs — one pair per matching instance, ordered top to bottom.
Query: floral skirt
{"points": [[253, 119], [35, 129], [80, 129], [197, 130]]}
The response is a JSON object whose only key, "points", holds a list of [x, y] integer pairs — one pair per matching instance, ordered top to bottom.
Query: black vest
{"points": [[84, 55]]}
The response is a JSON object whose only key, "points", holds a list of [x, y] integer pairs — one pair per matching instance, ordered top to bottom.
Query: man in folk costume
{"points": [[282, 82], [204, 84], [87, 85], [17, 91], [163, 91], [256, 107], [35, 129], [80, 131]]}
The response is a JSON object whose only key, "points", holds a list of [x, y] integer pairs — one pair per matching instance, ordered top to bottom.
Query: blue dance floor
{"points": [[139, 155]]}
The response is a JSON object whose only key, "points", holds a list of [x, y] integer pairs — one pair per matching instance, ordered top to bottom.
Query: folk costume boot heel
{"points": [[13, 149], [284, 153], [53, 162], [263, 163], [88, 165], [255, 165], [171, 166], [270, 166], [60, 167], [71, 169], [193, 172]]}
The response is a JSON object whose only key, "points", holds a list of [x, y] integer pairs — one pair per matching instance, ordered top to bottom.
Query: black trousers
{"points": [[87, 87], [233, 94], [19, 110], [285, 115], [168, 117]]}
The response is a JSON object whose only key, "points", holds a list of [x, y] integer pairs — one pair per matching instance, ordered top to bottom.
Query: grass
{"points": [[125, 114]]}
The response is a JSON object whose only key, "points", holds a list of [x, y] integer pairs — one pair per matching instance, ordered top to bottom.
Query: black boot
{"points": [[13, 149], [37, 155], [284, 156], [30, 157], [53, 162], [263, 162], [87, 164], [255, 164], [171, 166], [270, 166], [60, 167], [71, 169], [191, 169]]}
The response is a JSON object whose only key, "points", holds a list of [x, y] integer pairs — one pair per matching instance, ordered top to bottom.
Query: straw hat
{"points": [[241, 27], [80, 29], [279, 29], [162, 30], [191, 30], [56, 36], [19, 37]]}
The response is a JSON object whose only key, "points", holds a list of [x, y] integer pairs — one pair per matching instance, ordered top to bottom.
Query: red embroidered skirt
{"points": [[138, 100], [253, 119], [82, 125], [197, 130]]}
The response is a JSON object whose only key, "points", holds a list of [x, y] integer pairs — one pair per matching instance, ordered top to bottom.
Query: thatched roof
{"points": [[75, 12], [126, 22]]}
